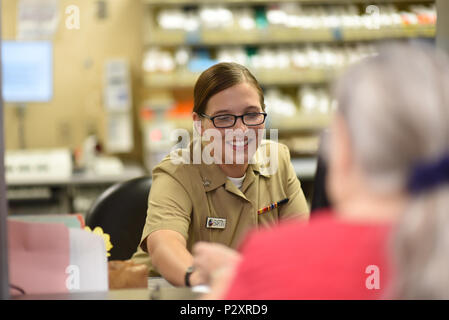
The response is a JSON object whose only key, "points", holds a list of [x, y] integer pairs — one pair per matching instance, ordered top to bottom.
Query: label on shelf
{"points": [[337, 33], [193, 37]]}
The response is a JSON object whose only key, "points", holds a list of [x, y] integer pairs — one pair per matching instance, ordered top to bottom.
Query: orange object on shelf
{"points": [[426, 19], [182, 109], [146, 114]]}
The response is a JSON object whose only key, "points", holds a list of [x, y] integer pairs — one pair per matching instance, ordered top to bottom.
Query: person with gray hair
{"points": [[386, 236]]}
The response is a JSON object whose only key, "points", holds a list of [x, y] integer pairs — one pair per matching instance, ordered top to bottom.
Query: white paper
{"points": [[37, 19], [117, 88], [119, 132], [88, 255]]}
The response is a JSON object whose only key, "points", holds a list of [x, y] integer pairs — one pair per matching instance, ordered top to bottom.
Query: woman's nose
{"points": [[240, 125]]}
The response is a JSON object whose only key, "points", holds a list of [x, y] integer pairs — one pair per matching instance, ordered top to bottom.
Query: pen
{"points": [[272, 206]]}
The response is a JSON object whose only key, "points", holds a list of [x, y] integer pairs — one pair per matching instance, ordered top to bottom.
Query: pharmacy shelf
{"points": [[246, 2], [279, 35], [267, 77], [300, 122], [291, 129], [305, 168]]}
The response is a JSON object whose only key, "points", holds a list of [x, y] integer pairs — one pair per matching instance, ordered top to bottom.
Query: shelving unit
{"points": [[254, 2], [281, 36], [185, 79], [303, 125]]}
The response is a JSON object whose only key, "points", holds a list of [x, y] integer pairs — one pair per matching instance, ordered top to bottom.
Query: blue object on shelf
{"points": [[337, 34], [193, 37], [201, 60]]}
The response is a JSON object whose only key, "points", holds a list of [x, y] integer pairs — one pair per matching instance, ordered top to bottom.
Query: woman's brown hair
{"points": [[218, 78]]}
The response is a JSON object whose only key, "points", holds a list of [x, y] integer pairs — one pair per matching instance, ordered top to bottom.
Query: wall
{"points": [[443, 25], [79, 57]]}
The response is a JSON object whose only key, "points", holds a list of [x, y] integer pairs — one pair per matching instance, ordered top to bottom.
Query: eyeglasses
{"points": [[229, 120]]}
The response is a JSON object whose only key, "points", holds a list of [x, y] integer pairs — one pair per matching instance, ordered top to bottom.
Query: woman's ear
{"points": [[197, 123]]}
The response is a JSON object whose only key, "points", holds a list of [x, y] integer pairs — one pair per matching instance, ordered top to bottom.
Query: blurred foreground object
{"points": [[106, 238], [55, 256], [127, 274]]}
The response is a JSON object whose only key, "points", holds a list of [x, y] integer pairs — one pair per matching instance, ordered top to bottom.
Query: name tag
{"points": [[215, 223]]}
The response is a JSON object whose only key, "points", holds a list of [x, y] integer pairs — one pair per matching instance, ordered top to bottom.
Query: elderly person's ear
{"points": [[340, 150], [344, 154], [340, 160]]}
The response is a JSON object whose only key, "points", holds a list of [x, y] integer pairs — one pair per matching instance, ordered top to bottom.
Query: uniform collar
{"points": [[261, 161], [256, 168], [213, 177]]}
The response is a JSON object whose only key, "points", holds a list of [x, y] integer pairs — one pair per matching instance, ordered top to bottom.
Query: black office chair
{"points": [[320, 199], [121, 212]]}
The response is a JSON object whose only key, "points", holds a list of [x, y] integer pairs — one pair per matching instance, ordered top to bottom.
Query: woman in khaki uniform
{"points": [[250, 182]]}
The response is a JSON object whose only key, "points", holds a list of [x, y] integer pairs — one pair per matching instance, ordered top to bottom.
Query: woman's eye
{"points": [[252, 115], [224, 118]]}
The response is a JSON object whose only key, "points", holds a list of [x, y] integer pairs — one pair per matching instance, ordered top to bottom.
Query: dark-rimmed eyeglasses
{"points": [[229, 120]]}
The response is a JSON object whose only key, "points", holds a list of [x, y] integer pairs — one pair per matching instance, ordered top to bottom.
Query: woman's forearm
{"points": [[169, 255]]}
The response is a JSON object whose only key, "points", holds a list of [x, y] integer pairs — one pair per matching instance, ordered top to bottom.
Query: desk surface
{"points": [[129, 172], [158, 289], [123, 294]]}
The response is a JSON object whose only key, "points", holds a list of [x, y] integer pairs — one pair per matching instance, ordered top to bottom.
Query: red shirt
{"points": [[327, 258]]}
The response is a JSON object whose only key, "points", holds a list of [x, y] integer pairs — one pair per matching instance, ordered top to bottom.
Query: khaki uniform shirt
{"points": [[183, 197]]}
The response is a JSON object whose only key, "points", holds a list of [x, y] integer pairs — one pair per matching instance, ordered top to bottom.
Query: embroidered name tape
{"points": [[215, 223]]}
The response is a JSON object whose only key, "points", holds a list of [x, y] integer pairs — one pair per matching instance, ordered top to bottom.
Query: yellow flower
{"points": [[106, 238]]}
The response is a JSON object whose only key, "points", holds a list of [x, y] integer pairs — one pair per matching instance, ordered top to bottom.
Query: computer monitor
{"points": [[27, 71]]}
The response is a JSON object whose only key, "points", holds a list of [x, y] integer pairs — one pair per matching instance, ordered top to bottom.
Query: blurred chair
{"points": [[320, 199], [121, 212]]}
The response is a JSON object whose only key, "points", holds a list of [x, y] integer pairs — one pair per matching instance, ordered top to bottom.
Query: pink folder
{"points": [[38, 256]]}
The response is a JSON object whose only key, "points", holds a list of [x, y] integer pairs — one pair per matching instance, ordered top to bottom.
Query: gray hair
{"points": [[396, 106]]}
